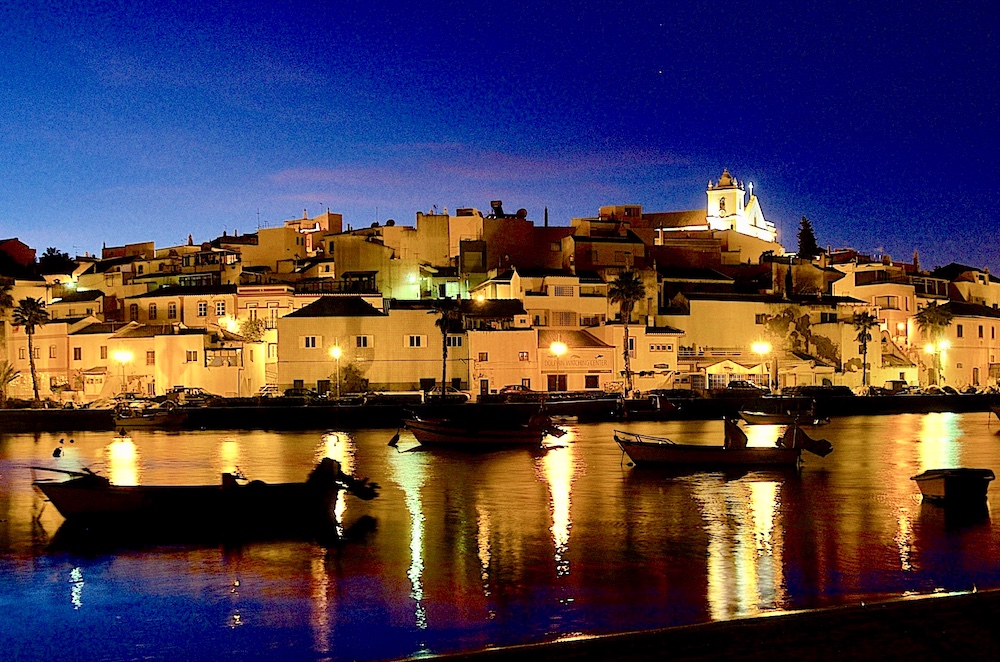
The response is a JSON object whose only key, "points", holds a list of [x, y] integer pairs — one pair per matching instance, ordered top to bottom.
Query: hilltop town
{"points": [[711, 298]]}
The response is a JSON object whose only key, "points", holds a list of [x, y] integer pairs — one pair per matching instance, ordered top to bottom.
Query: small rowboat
{"points": [[646, 450], [954, 486]]}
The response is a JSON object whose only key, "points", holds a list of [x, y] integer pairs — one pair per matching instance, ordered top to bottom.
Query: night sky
{"points": [[125, 124]]}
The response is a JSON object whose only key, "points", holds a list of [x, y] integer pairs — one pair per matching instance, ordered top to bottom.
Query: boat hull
{"points": [[171, 418], [764, 418], [436, 432], [649, 452], [954, 486]]}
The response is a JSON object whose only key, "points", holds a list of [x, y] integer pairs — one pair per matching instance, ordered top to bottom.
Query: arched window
{"points": [[722, 206], [152, 311], [133, 312]]}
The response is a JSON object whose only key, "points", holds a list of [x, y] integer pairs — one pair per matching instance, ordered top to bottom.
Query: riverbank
{"points": [[274, 414], [935, 627]]}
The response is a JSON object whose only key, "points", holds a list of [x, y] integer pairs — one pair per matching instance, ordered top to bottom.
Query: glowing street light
{"points": [[558, 348], [762, 348], [936, 349], [335, 353], [123, 356]]}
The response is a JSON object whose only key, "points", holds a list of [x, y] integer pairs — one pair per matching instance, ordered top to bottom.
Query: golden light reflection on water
{"points": [[939, 434], [762, 435], [338, 446], [230, 455], [122, 460], [558, 468], [410, 473], [483, 548], [745, 570]]}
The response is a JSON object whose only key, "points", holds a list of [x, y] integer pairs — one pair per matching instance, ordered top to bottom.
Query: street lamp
{"points": [[558, 348], [762, 348], [936, 349], [335, 353], [123, 356]]}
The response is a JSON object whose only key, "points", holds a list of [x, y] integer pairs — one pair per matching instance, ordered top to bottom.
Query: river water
{"points": [[464, 551]]}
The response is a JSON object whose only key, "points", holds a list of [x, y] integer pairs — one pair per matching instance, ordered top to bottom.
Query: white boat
{"points": [[766, 418], [954, 486]]}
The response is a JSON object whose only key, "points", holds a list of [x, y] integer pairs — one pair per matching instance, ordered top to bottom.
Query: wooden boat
{"points": [[151, 417], [766, 418], [456, 432], [645, 450], [649, 450], [954, 486], [91, 497]]}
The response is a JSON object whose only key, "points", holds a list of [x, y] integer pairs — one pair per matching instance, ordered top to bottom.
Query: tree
{"points": [[808, 248], [54, 261], [626, 290], [30, 313], [449, 321], [863, 322], [932, 322], [253, 329], [8, 375], [352, 379]]}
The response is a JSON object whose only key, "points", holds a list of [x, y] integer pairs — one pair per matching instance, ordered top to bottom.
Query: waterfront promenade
{"points": [[931, 627]]}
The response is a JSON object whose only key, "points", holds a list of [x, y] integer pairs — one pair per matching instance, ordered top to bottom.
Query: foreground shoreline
{"points": [[926, 627]]}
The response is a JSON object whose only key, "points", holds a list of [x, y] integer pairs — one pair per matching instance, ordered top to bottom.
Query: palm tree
{"points": [[626, 290], [30, 313], [449, 317], [932, 322], [862, 323], [8, 375]]}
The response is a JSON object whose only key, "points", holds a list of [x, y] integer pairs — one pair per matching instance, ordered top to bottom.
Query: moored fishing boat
{"points": [[472, 432], [645, 450], [92, 497]]}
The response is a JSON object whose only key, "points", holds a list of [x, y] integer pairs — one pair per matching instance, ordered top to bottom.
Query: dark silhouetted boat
{"points": [[479, 432], [646, 450], [958, 486], [235, 502]]}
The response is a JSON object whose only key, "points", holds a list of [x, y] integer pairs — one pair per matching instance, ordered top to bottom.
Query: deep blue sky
{"points": [[878, 121]]}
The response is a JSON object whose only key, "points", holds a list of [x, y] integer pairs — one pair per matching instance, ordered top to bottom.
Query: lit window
{"points": [[522, 356]]}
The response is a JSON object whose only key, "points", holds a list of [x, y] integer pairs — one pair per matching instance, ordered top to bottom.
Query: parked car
{"points": [[743, 385], [515, 388], [307, 393], [451, 394], [190, 396]]}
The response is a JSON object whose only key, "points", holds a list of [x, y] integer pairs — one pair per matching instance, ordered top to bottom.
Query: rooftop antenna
{"points": [[258, 218]]}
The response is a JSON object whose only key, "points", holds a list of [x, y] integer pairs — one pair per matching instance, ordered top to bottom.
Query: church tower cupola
{"points": [[729, 209]]}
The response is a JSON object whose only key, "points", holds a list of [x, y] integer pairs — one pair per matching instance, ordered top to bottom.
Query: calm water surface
{"points": [[464, 551]]}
